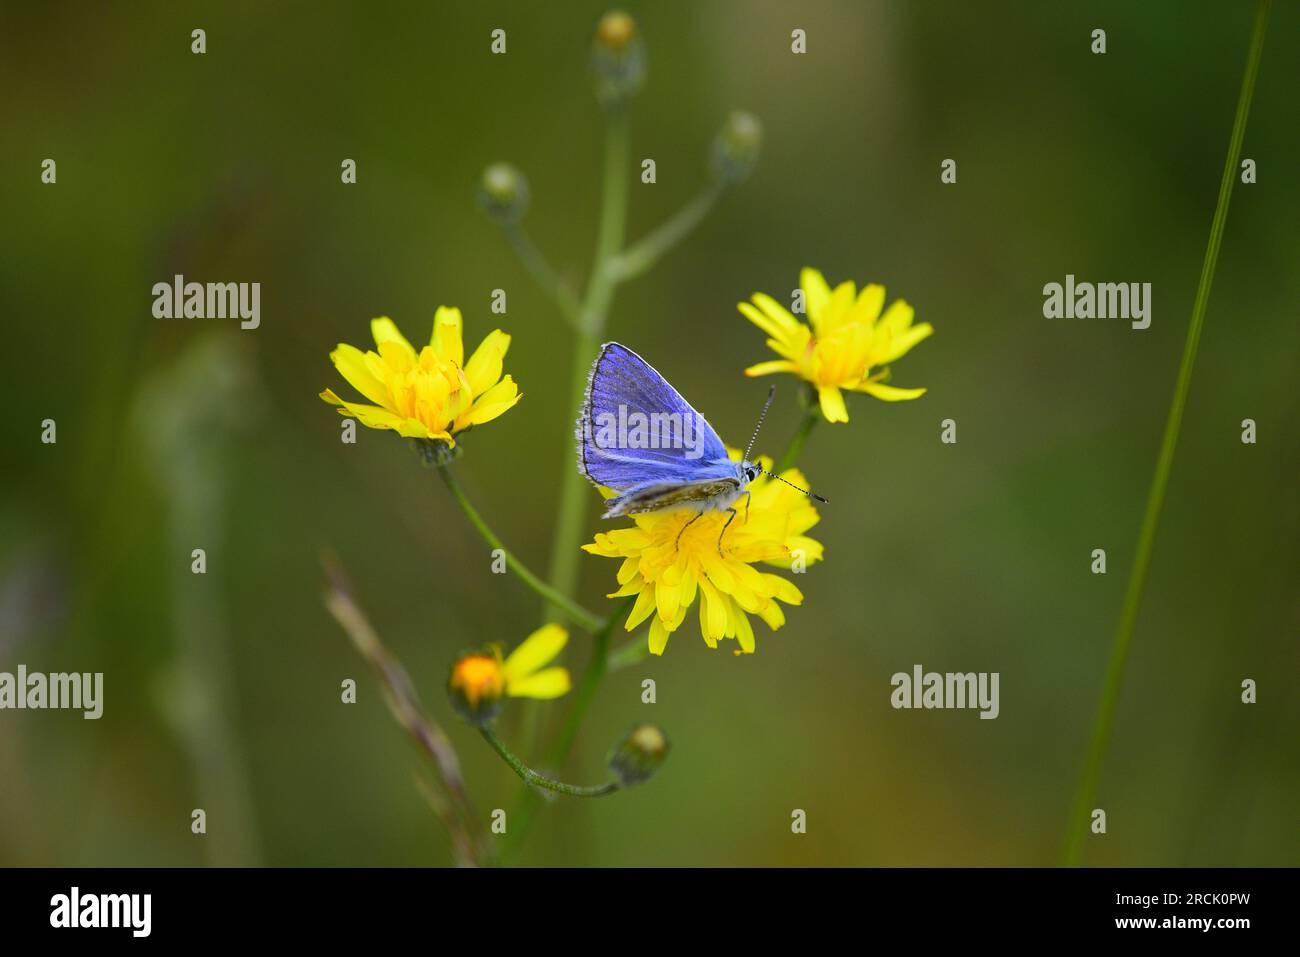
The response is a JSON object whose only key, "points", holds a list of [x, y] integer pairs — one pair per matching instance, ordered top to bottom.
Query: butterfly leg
{"points": [[747, 493], [730, 519], [684, 527]]}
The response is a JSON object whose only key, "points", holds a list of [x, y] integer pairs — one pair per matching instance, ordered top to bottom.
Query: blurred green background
{"points": [[222, 692]]}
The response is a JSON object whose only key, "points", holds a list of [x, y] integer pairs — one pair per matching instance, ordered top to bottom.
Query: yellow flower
{"points": [[846, 338], [430, 394], [667, 574], [479, 680]]}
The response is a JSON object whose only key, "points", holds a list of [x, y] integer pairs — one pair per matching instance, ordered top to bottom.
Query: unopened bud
{"points": [[617, 58], [736, 147], [503, 192], [639, 755]]}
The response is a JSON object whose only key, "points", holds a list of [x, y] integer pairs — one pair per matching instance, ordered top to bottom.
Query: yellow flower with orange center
{"points": [[845, 339], [430, 394], [668, 563], [479, 681]]}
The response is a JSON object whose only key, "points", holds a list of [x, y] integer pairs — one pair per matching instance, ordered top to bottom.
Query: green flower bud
{"points": [[617, 58], [736, 147], [503, 192], [436, 452], [640, 754]]}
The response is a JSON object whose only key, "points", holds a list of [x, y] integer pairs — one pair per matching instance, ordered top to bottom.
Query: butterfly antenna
{"points": [[771, 393], [812, 495]]}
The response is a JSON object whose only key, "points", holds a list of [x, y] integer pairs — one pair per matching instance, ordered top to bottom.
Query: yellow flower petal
{"points": [[816, 293], [870, 300], [836, 311], [781, 317], [897, 317], [385, 330], [781, 332], [446, 339], [902, 342], [398, 358], [351, 363], [775, 365], [484, 366], [888, 392], [462, 396], [495, 401], [832, 402], [373, 417], [415, 429], [628, 570], [783, 589], [625, 591], [667, 596], [642, 609], [713, 611], [773, 615], [745, 634], [658, 637], [537, 650], [550, 683]]}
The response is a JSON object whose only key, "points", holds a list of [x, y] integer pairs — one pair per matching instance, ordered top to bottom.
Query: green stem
{"points": [[640, 256], [542, 273], [600, 292], [810, 420], [568, 606], [634, 652], [597, 666], [540, 780], [1087, 791]]}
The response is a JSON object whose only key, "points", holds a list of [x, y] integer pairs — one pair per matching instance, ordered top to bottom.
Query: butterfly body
{"points": [[706, 496]]}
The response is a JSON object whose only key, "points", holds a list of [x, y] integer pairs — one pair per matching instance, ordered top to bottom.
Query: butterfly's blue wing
{"points": [[621, 378]]}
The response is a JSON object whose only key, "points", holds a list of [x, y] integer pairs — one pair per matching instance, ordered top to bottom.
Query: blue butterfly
{"points": [[639, 437]]}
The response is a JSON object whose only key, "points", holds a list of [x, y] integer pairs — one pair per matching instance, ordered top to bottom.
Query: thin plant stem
{"points": [[640, 256], [543, 274], [595, 309], [793, 450], [568, 606], [632, 653], [597, 667], [540, 780], [1087, 791], [457, 811], [461, 850]]}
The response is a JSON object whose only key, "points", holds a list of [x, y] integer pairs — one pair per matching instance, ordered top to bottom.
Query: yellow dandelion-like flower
{"points": [[846, 337], [430, 394], [668, 563], [480, 680]]}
